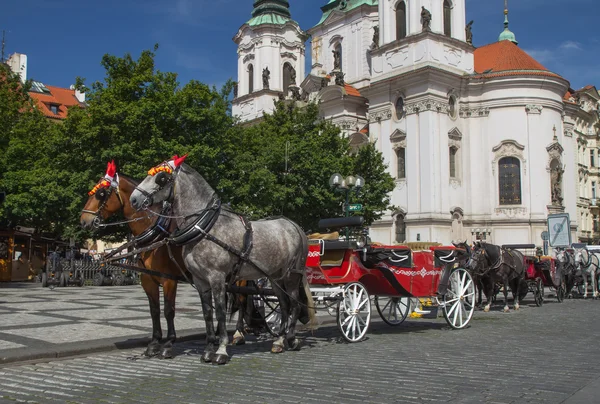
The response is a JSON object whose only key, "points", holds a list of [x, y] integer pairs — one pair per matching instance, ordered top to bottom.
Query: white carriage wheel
{"points": [[459, 300], [392, 310], [354, 312]]}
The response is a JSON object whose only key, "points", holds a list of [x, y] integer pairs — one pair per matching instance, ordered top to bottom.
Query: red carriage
{"points": [[541, 273], [344, 274]]}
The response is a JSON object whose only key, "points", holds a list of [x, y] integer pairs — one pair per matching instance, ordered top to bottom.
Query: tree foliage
{"points": [[141, 116], [282, 166]]}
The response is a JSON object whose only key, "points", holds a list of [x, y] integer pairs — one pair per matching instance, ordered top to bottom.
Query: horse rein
{"points": [[97, 222]]}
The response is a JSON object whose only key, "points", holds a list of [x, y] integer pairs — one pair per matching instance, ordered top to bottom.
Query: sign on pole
{"points": [[355, 207], [559, 230]]}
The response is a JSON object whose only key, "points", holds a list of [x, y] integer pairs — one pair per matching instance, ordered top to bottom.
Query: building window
{"points": [[447, 18], [401, 20], [287, 78], [250, 79], [452, 107], [399, 108], [54, 109], [452, 154], [592, 158], [401, 163], [509, 178], [593, 189], [595, 219], [400, 229]]}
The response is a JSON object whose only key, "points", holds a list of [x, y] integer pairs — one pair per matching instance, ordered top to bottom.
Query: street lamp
{"points": [[351, 183]]}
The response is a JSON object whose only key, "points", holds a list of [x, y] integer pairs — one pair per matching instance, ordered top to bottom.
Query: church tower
{"points": [[271, 54]]}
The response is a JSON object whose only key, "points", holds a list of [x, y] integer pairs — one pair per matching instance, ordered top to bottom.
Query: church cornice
{"points": [[399, 43]]}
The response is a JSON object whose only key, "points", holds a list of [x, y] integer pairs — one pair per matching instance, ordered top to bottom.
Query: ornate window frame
{"points": [[406, 14], [398, 141], [455, 141], [509, 148]]}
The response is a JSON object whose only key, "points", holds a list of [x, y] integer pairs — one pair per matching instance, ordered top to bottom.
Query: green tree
{"points": [[282, 165]]}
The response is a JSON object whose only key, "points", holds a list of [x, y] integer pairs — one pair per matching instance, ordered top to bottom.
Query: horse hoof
{"points": [[517, 307], [486, 309], [506, 310], [238, 341], [294, 345], [277, 349], [152, 351], [166, 353], [208, 357], [220, 359]]}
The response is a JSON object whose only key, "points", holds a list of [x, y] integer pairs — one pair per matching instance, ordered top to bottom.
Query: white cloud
{"points": [[570, 45]]}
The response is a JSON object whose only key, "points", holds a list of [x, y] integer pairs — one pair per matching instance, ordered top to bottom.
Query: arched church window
{"points": [[447, 18], [401, 20], [287, 77], [250, 79], [399, 108], [452, 110], [400, 163], [509, 181], [400, 228]]}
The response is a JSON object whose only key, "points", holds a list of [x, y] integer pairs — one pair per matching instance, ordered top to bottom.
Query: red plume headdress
{"points": [[168, 166], [109, 179]]}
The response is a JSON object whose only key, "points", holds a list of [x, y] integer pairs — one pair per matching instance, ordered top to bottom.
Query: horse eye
{"points": [[161, 179], [101, 194]]}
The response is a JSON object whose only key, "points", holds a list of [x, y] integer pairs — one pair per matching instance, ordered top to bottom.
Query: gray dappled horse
{"points": [[221, 246], [465, 262], [495, 264], [587, 264], [566, 269]]}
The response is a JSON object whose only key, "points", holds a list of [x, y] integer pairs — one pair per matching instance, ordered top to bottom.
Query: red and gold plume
{"points": [[111, 171]]}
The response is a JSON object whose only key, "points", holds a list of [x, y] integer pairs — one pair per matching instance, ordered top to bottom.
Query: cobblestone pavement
{"points": [[536, 355]]}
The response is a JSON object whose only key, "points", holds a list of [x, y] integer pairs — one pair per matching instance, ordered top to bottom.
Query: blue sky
{"points": [[67, 38]]}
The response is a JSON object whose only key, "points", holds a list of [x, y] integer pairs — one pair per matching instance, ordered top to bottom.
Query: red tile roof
{"points": [[504, 58], [351, 90], [62, 97]]}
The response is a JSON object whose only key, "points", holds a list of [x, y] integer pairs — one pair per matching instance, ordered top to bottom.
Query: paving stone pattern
{"points": [[536, 355]]}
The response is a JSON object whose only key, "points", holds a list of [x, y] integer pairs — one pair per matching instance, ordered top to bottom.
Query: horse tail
{"points": [[310, 304]]}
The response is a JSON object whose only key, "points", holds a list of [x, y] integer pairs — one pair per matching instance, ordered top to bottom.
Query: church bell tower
{"points": [[271, 53]]}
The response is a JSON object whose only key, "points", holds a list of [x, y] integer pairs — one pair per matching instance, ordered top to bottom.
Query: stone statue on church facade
{"points": [[425, 19], [469, 32], [375, 44], [337, 62], [266, 76], [292, 76], [339, 79], [235, 89], [556, 185]]}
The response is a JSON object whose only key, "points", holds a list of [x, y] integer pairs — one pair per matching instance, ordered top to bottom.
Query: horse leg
{"points": [[585, 283], [293, 284], [594, 284], [151, 289], [489, 290], [505, 291], [516, 291], [169, 294], [240, 304], [207, 310], [279, 343], [221, 357]]}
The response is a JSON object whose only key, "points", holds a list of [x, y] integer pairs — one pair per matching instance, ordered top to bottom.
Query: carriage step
{"points": [[425, 312]]}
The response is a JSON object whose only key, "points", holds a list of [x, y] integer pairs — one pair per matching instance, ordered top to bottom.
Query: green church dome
{"points": [[270, 12], [507, 35]]}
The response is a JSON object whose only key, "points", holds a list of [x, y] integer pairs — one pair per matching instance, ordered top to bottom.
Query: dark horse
{"points": [[110, 195], [221, 247], [465, 262], [494, 264], [566, 269]]}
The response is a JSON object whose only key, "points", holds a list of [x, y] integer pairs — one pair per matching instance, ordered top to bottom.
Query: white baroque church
{"points": [[483, 142]]}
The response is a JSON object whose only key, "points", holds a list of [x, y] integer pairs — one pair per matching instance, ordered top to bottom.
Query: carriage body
{"points": [[541, 272], [343, 275]]}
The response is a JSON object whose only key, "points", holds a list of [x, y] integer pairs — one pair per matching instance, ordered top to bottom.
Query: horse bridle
{"points": [[170, 180], [97, 214]]}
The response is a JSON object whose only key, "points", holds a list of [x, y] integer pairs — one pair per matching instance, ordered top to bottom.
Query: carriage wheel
{"points": [[98, 279], [44, 280], [119, 280], [539, 292], [560, 292], [459, 300], [393, 310], [354, 312], [272, 316]]}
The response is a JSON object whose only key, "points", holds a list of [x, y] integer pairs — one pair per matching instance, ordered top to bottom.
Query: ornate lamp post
{"points": [[346, 185]]}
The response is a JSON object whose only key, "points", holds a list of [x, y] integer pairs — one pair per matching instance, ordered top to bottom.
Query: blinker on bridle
{"points": [[164, 175], [102, 191]]}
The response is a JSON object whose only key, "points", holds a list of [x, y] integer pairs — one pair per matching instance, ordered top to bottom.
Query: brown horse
{"points": [[110, 195]]}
